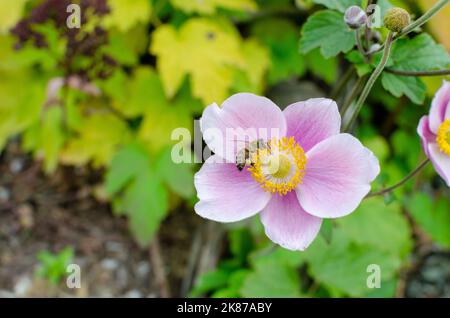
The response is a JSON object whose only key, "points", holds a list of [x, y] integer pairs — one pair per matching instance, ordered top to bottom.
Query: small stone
{"points": [[16, 165], [5, 194], [25, 213], [110, 264], [22, 286], [133, 294]]}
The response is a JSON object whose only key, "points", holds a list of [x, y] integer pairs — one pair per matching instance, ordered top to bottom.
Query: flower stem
{"points": [[424, 18], [360, 46], [376, 73], [419, 73], [342, 82], [353, 94], [402, 182]]}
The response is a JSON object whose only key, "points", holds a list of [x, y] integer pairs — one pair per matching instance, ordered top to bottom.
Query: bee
{"points": [[245, 155]]}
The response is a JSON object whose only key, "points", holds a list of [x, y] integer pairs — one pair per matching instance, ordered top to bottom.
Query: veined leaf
{"points": [[125, 14], [326, 29], [212, 49], [418, 54], [98, 140], [143, 197]]}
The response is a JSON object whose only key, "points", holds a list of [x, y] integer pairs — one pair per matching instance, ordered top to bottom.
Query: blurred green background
{"points": [[86, 117]]}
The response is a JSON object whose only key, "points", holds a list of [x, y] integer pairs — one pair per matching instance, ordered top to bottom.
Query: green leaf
{"points": [[340, 5], [327, 30], [281, 37], [418, 54], [323, 68], [362, 68], [413, 87], [161, 115], [179, 177], [143, 198], [433, 217], [379, 226], [326, 231], [374, 234], [241, 243], [342, 265], [53, 266], [272, 279], [210, 281]]}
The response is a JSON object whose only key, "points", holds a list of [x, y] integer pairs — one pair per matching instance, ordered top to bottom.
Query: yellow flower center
{"points": [[443, 137], [280, 167]]}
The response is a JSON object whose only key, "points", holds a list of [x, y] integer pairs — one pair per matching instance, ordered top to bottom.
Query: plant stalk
{"points": [[418, 73], [373, 78], [402, 182]]}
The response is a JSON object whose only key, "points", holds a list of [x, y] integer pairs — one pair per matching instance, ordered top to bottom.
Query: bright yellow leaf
{"points": [[210, 6], [10, 13], [127, 13], [206, 50], [257, 62], [99, 137]]}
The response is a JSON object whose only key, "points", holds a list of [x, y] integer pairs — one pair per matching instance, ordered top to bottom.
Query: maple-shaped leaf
{"points": [[204, 49]]}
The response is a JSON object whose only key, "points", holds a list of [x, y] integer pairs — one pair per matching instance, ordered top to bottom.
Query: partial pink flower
{"points": [[434, 132], [318, 172]]}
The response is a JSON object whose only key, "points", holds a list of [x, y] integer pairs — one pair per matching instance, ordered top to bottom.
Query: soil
{"points": [[40, 212]]}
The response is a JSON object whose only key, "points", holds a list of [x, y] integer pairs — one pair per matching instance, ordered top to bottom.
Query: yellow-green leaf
{"points": [[211, 6], [10, 13], [125, 13], [206, 50], [257, 63], [99, 137]]}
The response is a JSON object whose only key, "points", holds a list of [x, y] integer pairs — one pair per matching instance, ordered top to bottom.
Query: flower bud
{"points": [[355, 17], [396, 19]]}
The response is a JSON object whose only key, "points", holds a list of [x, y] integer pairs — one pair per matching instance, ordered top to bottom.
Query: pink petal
{"points": [[439, 107], [242, 118], [312, 121], [426, 136], [441, 162], [337, 177], [227, 194], [287, 224]]}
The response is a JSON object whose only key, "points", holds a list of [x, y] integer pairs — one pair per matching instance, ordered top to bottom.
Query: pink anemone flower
{"points": [[434, 132], [318, 172]]}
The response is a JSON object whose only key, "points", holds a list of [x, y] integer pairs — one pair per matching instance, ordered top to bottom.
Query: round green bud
{"points": [[396, 19]]}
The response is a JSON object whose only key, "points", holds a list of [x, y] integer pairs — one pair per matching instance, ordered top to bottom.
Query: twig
{"points": [[360, 47], [376, 73], [419, 73], [342, 82], [355, 91], [402, 182], [192, 263], [158, 268]]}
